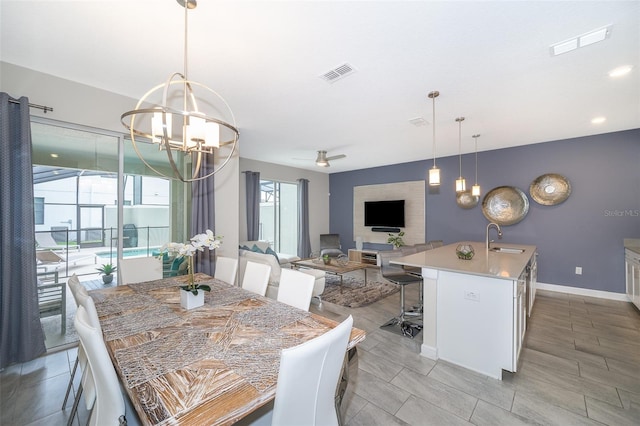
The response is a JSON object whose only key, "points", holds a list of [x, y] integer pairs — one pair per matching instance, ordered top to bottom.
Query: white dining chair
{"points": [[139, 269], [226, 269], [256, 277], [73, 282], [296, 288], [308, 378], [86, 387], [109, 408]]}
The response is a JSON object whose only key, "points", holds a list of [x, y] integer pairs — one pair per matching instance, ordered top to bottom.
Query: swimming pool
{"points": [[131, 252]]}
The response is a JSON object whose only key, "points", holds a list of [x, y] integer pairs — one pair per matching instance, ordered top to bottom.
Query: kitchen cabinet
{"points": [[632, 265], [532, 280], [475, 311], [481, 321]]}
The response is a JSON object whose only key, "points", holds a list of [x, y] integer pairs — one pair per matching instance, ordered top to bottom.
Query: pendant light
{"points": [[175, 117], [434, 172], [461, 183], [475, 189]]}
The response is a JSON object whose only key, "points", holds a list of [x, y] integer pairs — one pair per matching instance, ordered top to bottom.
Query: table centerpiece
{"points": [[190, 294]]}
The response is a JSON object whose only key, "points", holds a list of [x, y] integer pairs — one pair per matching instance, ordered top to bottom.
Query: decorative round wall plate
{"points": [[550, 189], [465, 200], [505, 205]]}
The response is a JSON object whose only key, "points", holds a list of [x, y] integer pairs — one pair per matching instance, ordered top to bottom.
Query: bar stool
{"points": [[397, 275]]}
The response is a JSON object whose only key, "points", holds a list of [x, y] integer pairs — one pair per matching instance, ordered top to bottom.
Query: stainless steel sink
{"points": [[507, 250]]}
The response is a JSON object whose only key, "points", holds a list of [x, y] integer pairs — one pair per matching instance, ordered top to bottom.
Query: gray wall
{"points": [[586, 230]]}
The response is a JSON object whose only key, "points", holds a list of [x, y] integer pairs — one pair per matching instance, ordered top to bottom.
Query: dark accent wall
{"points": [[586, 230]]}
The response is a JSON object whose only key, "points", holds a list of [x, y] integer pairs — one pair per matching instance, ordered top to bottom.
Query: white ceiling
{"points": [[490, 60]]}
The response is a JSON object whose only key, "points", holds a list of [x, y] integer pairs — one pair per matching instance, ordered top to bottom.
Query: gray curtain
{"points": [[253, 205], [203, 214], [304, 242], [21, 336]]}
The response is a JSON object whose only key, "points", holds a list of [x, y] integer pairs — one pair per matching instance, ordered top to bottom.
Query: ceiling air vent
{"points": [[337, 73], [418, 121]]}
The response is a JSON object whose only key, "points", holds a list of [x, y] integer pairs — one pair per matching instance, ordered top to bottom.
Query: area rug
{"points": [[353, 293]]}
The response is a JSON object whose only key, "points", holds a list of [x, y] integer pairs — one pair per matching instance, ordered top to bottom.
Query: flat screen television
{"points": [[384, 213]]}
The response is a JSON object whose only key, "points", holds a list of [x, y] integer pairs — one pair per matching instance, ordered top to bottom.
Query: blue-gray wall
{"points": [[586, 230]]}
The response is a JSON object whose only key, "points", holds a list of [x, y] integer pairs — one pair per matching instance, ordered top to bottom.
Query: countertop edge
{"points": [[504, 266]]}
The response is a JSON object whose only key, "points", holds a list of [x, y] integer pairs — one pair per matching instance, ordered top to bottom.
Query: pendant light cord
{"points": [[459, 120], [434, 130], [475, 137]]}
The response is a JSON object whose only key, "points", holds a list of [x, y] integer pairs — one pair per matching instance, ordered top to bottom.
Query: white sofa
{"points": [[283, 258], [274, 277]]}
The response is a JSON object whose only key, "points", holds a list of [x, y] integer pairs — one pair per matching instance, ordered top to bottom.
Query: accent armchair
{"points": [[330, 245]]}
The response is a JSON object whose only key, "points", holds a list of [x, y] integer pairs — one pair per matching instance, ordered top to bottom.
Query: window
{"points": [[38, 210], [279, 215]]}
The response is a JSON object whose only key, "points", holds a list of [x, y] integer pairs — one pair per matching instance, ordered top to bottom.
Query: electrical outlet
{"points": [[578, 270], [472, 295]]}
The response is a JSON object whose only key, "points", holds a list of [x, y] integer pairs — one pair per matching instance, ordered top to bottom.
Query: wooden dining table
{"points": [[210, 365]]}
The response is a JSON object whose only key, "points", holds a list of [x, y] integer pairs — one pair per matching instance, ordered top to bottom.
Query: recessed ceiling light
{"points": [[593, 36], [580, 41], [564, 47], [620, 71], [598, 120], [54, 155]]}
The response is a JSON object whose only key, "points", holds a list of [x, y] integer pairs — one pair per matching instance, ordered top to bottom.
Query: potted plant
{"points": [[396, 240], [326, 259], [107, 270], [190, 296]]}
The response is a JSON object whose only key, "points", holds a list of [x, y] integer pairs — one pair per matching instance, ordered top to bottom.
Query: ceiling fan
{"points": [[323, 161]]}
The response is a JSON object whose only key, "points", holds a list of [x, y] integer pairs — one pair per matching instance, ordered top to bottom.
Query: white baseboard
{"points": [[583, 291], [429, 352]]}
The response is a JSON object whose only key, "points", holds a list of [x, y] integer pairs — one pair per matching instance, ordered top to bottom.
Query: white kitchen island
{"points": [[475, 310]]}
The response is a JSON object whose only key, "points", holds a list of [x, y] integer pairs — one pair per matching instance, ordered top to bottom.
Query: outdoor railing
{"points": [[137, 241]]}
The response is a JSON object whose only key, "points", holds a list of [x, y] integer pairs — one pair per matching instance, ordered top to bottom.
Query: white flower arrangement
{"points": [[197, 243]]}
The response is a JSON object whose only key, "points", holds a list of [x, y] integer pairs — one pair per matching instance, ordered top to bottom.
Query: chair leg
{"points": [[420, 306], [407, 329], [73, 374], [74, 409]]}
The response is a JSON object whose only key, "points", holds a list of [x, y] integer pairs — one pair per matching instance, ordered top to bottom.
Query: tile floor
{"points": [[580, 366]]}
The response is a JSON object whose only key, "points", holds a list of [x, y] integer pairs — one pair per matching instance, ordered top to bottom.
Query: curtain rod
{"points": [[42, 107]]}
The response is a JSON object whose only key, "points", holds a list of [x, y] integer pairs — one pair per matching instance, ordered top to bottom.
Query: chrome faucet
{"points": [[499, 233]]}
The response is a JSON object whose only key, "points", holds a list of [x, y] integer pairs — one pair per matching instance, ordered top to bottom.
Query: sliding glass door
{"points": [[77, 202], [279, 215]]}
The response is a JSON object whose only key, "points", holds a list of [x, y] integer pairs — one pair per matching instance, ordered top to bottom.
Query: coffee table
{"points": [[333, 267]]}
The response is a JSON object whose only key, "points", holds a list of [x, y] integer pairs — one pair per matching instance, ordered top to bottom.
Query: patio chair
{"points": [[45, 241], [47, 258], [52, 300]]}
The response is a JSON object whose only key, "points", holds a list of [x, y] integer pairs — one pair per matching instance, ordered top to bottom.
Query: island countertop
{"points": [[507, 266]]}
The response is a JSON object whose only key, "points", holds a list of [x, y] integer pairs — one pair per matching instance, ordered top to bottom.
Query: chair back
{"points": [[330, 241], [435, 243], [330, 245], [386, 268], [139, 269], [226, 269], [256, 277], [296, 288], [83, 299], [308, 379], [109, 404]]}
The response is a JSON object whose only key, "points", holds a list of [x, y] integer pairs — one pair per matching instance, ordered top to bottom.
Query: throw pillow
{"points": [[245, 248], [256, 249], [270, 251]]}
